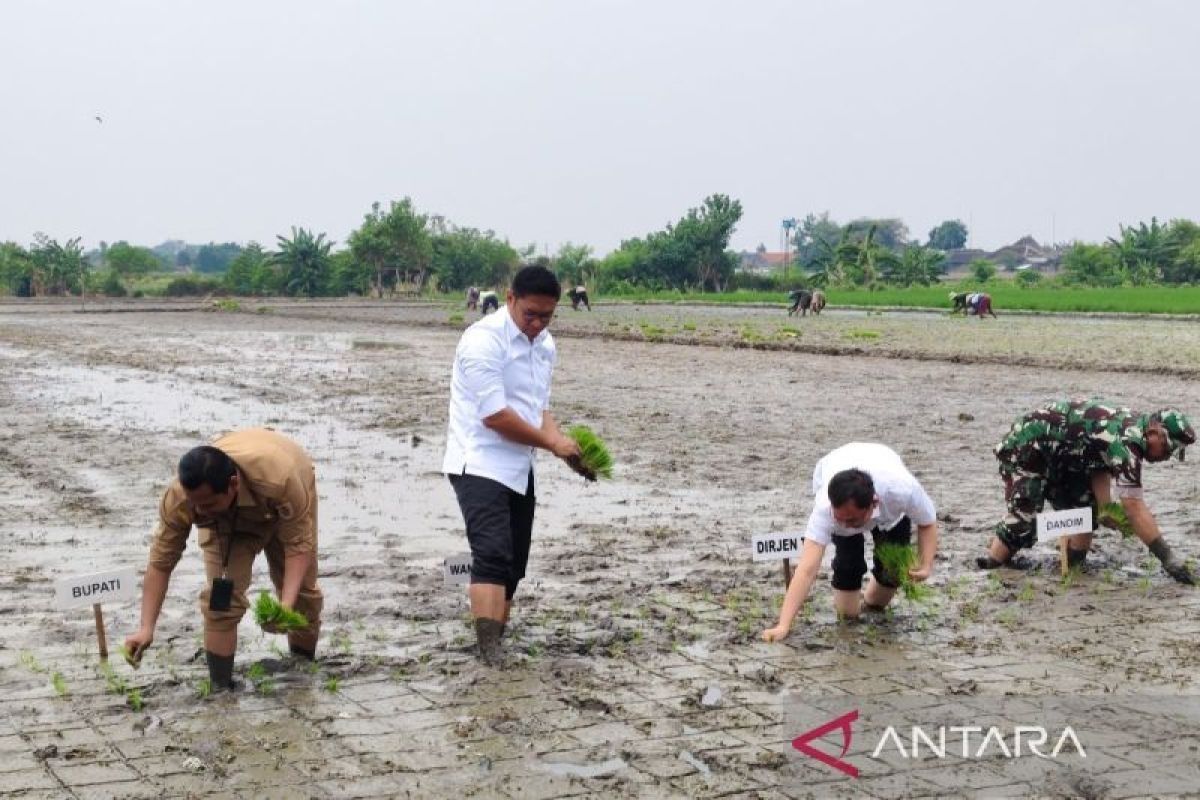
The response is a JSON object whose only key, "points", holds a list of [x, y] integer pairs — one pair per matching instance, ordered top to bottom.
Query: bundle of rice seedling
{"points": [[595, 454], [1113, 514], [897, 560], [268, 611]]}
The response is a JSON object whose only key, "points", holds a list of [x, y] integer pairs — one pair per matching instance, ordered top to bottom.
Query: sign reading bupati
{"points": [[1053, 524], [774, 546], [100, 587]]}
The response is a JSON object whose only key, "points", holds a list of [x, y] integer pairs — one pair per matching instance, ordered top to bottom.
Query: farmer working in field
{"points": [[579, 295], [799, 300], [488, 302], [499, 417], [1068, 454], [860, 487], [250, 491]]}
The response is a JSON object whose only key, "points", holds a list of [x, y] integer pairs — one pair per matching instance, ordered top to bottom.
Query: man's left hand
{"points": [[920, 574]]}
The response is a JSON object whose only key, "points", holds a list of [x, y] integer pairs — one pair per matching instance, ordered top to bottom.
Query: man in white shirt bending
{"points": [[499, 417], [860, 487]]}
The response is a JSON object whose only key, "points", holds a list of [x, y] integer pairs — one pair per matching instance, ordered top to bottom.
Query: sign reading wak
{"points": [[1053, 524], [774, 546], [456, 570], [101, 587]]}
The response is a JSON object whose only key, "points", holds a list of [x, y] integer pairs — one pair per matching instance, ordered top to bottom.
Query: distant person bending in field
{"points": [[579, 295], [472, 298], [800, 300], [488, 301], [818, 301], [971, 303], [979, 304], [1068, 454], [860, 487]]}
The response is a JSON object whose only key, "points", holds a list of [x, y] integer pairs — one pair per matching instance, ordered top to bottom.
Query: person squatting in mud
{"points": [[488, 301], [499, 418], [1068, 453], [860, 487], [250, 491]]}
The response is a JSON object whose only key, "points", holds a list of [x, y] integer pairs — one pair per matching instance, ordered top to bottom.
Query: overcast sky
{"points": [[593, 122]]}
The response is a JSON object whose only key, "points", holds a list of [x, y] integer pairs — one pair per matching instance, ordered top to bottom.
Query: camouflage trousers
{"points": [[1027, 494]]}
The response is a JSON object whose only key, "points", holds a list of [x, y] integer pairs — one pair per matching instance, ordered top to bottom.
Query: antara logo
{"points": [[843, 722], [991, 742]]}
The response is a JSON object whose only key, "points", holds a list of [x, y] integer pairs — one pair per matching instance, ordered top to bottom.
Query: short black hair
{"points": [[536, 279], [206, 464], [852, 484]]}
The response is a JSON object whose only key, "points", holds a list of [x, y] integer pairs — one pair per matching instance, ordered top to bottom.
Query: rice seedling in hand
{"points": [[595, 455], [1113, 515], [897, 560], [269, 612]]}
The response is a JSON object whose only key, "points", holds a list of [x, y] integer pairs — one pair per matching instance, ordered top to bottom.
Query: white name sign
{"points": [[1053, 524], [775, 546], [456, 570], [101, 587]]}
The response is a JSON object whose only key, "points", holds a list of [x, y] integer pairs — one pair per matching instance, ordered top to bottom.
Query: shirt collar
{"points": [[512, 331], [245, 497]]}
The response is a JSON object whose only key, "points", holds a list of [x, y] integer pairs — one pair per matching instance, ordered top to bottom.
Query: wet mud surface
{"points": [[634, 661]]}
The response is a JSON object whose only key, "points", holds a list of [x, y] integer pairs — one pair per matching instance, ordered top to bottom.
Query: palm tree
{"points": [[1146, 249], [305, 262], [916, 264]]}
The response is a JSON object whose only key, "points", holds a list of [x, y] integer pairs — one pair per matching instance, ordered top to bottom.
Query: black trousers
{"points": [[499, 529], [850, 562]]}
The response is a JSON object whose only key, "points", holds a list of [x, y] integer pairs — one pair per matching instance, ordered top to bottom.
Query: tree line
{"points": [[399, 248]]}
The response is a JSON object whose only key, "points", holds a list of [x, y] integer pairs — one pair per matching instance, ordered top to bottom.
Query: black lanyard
{"points": [[227, 542]]}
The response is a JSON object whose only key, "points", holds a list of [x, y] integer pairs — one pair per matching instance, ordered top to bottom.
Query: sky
{"points": [[594, 121]]}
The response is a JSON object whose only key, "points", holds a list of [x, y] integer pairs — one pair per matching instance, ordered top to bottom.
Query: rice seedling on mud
{"points": [[863, 334], [595, 453], [1113, 515], [897, 560], [268, 611], [60, 684]]}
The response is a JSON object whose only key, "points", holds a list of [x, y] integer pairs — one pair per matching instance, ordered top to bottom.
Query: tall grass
{"points": [[1131, 299]]}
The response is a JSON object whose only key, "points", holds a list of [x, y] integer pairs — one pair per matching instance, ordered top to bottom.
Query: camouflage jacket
{"points": [[1078, 436]]}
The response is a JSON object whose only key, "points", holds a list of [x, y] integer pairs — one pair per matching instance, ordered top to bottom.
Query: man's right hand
{"points": [[566, 448], [776, 634], [135, 645]]}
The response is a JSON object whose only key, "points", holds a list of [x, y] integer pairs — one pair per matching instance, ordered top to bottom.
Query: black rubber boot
{"points": [[1076, 558], [1171, 563], [487, 632], [297, 650], [220, 670]]}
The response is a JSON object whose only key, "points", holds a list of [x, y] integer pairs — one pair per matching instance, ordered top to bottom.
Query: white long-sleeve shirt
{"points": [[496, 366], [899, 494]]}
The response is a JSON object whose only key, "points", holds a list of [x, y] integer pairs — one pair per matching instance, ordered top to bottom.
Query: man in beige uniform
{"points": [[249, 491]]}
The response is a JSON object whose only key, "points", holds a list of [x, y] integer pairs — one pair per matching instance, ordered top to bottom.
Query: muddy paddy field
{"points": [[635, 664]]}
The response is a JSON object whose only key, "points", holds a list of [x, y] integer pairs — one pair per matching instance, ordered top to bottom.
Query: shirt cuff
{"points": [[491, 404]]}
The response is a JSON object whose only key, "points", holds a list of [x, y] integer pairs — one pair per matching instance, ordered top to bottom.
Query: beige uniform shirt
{"points": [[276, 498]]}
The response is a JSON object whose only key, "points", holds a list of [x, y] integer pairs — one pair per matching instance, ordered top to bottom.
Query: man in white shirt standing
{"points": [[499, 417], [860, 487]]}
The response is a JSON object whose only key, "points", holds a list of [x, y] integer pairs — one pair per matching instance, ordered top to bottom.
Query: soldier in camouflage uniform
{"points": [[1067, 454]]}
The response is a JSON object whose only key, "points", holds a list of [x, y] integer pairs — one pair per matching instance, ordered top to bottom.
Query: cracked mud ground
{"points": [[641, 598]]}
